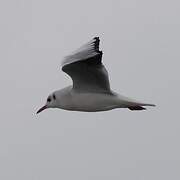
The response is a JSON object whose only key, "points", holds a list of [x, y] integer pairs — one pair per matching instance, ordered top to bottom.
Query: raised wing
{"points": [[86, 69]]}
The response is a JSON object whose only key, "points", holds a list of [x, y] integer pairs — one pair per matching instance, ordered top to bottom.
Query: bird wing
{"points": [[86, 69]]}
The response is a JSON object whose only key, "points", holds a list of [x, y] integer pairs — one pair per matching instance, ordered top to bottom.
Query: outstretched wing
{"points": [[86, 69]]}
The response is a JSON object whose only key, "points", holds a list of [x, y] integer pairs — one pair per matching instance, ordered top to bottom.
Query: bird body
{"points": [[91, 90], [70, 99]]}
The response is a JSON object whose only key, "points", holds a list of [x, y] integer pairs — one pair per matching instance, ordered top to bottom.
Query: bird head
{"points": [[50, 103]]}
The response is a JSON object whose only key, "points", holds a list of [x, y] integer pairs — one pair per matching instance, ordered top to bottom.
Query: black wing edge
{"points": [[96, 45], [96, 60]]}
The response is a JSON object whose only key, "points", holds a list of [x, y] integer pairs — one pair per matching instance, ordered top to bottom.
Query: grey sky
{"points": [[140, 40]]}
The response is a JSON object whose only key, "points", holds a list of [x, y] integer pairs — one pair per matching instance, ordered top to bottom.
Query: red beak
{"points": [[41, 109]]}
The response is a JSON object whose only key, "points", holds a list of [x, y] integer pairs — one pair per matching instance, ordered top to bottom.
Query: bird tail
{"points": [[139, 107]]}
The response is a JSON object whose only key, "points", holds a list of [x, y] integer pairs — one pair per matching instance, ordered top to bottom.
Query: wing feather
{"points": [[86, 51], [86, 69]]}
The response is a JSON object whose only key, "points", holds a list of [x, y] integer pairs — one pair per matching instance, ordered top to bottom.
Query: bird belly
{"points": [[92, 102]]}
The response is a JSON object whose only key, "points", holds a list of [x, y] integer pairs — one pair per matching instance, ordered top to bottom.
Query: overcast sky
{"points": [[140, 40]]}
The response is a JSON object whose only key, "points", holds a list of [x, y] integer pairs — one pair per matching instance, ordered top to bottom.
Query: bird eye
{"points": [[54, 97], [48, 99]]}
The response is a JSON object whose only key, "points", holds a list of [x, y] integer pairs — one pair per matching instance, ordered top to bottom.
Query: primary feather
{"points": [[88, 50], [86, 69]]}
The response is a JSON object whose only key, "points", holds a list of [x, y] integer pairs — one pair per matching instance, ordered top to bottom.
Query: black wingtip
{"points": [[96, 38], [96, 43]]}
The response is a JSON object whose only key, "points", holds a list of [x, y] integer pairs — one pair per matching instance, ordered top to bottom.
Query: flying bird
{"points": [[91, 90]]}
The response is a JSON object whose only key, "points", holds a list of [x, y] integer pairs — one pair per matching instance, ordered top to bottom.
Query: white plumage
{"points": [[91, 90]]}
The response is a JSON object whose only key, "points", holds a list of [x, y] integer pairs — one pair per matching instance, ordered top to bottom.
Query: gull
{"points": [[91, 90]]}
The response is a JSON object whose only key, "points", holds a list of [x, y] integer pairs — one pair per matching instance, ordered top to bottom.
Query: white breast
{"points": [[91, 102]]}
